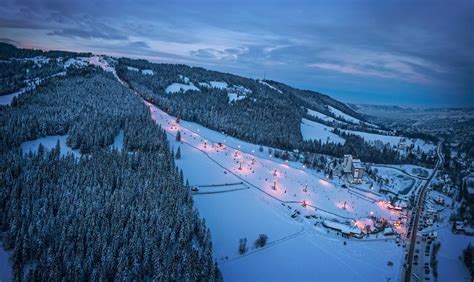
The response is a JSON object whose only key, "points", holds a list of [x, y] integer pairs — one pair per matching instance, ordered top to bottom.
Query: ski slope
{"points": [[271, 86], [322, 116], [344, 116], [316, 131], [299, 247]]}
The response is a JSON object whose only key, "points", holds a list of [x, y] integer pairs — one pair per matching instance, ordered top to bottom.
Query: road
{"points": [[419, 205]]}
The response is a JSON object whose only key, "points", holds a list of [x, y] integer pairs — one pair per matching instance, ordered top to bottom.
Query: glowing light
{"points": [[324, 183]]}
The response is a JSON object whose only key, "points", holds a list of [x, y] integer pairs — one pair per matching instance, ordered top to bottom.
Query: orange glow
{"points": [[324, 183], [359, 224], [397, 225]]}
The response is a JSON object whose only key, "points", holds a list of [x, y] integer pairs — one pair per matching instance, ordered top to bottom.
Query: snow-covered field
{"points": [[148, 72], [218, 84], [178, 87], [235, 97], [316, 131], [394, 140], [118, 141], [49, 142], [398, 183], [299, 247], [450, 264], [5, 265], [451, 267]]}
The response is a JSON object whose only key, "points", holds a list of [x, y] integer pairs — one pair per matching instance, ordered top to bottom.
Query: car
{"points": [[417, 251], [415, 263], [427, 271]]}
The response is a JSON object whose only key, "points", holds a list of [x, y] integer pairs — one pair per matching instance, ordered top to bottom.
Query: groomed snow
{"points": [[271, 86], [179, 87], [322, 116], [343, 116], [316, 131], [49, 142], [297, 248]]}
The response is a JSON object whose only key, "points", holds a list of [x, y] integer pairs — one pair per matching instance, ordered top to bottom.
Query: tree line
{"points": [[108, 215]]}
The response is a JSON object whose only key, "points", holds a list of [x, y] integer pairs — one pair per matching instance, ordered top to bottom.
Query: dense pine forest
{"points": [[268, 116], [108, 214]]}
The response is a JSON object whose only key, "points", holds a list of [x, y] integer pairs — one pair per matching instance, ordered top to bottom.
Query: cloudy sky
{"points": [[408, 53]]}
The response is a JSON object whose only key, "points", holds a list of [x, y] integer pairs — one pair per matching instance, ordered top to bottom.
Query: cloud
{"points": [[86, 34], [9, 41], [139, 44], [367, 44], [229, 54]]}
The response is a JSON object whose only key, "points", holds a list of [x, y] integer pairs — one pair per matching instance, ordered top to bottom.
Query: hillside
{"points": [[263, 112], [109, 210]]}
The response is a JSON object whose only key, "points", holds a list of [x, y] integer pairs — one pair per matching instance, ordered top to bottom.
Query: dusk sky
{"points": [[411, 53]]}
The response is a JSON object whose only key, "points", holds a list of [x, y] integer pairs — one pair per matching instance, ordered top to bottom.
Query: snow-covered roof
{"points": [[357, 164], [344, 228], [388, 231]]}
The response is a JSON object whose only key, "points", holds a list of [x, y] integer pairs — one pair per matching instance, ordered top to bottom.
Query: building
{"points": [[347, 164], [353, 167], [357, 169], [345, 229]]}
